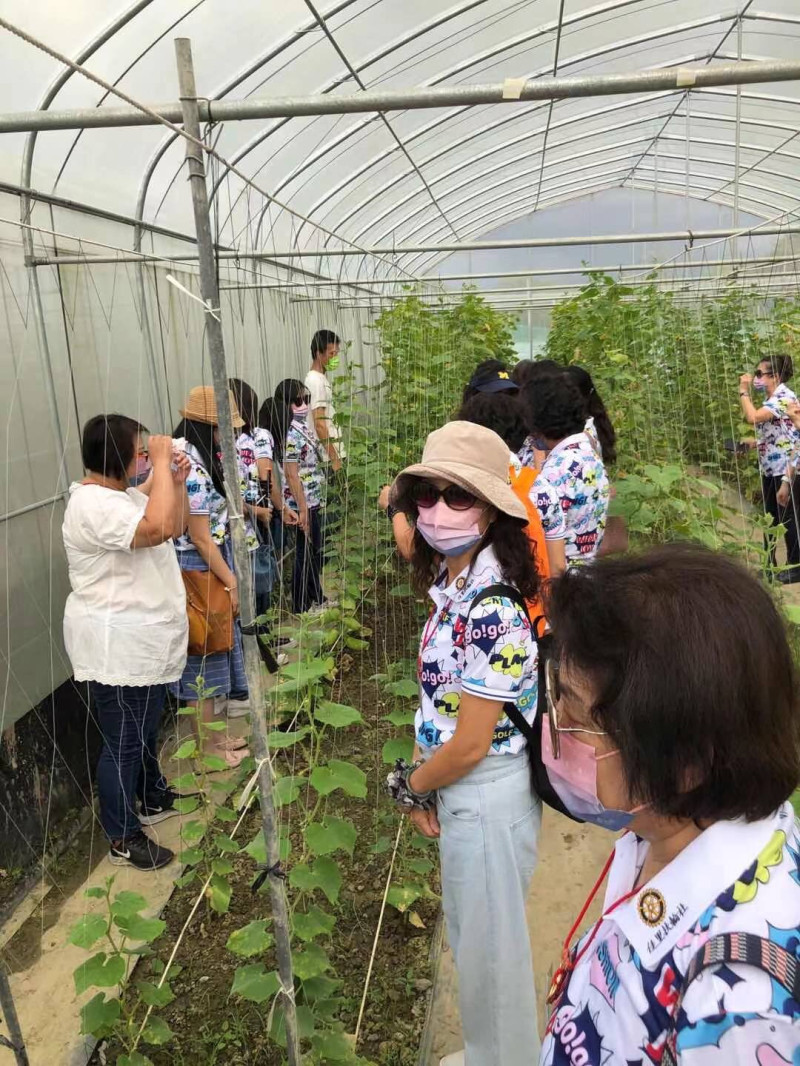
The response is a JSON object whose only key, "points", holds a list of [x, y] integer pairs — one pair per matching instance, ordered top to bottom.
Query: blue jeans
{"points": [[129, 718], [490, 823]]}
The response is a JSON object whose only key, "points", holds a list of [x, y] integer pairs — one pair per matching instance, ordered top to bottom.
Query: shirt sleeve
{"points": [[315, 383], [778, 405], [265, 446], [291, 453], [198, 489], [545, 499], [108, 521], [498, 648], [729, 1037]]}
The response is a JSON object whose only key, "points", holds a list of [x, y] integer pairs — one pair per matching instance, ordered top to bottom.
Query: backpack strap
{"points": [[746, 949]]}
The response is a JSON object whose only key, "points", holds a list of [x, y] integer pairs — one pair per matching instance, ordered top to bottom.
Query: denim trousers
{"points": [[127, 770], [490, 823]]}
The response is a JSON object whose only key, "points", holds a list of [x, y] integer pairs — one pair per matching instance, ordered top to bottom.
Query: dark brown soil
{"points": [[212, 1027]]}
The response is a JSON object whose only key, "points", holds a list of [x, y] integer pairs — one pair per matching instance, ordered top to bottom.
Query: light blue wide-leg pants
{"points": [[490, 823]]}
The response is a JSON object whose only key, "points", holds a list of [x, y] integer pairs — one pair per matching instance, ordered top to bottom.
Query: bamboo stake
{"points": [[252, 658], [9, 1011]]}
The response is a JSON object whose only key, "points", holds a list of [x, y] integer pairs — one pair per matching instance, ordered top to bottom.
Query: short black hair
{"points": [[320, 341], [781, 365], [528, 369], [552, 405], [498, 411], [108, 445], [694, 676]]}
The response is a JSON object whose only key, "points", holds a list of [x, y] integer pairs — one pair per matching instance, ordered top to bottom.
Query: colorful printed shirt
{"points": [[591, 432], [777, 439], [306, 452], [527, 453], [576, 473], [205, 500], [489, 652], [620, 1003]]}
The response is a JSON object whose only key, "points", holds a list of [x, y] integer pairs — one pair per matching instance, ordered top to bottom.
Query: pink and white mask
{"points": [[448, 531]]}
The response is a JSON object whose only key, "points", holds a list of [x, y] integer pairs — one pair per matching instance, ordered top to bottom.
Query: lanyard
{"points": [[434, 620], [564, 972]]}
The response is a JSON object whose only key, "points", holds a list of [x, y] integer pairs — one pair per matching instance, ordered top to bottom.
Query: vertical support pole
{"points": [[737, 147], [216, 350], [9, 1012]]}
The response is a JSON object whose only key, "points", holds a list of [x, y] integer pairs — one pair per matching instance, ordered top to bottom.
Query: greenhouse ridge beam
{"points": [[511, 91]]}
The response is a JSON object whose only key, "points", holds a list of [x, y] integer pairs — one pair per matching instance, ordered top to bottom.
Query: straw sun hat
{"points": [[202, 407], [470, 456]]}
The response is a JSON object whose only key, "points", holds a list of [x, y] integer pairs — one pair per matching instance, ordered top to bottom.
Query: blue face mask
{"points": [[760, 384]]}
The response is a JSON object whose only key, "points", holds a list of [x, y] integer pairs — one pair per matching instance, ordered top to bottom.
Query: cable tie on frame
{"points": [[512, 88], [276, 870]]}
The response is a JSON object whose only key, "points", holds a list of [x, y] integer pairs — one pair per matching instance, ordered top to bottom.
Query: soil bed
{"points": [[210, 1026]]}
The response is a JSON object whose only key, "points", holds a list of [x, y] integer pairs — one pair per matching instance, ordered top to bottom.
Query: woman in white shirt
{"points": [[125, 626]]}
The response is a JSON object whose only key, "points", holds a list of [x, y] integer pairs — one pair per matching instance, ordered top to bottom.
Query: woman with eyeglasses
{"points": [[776, 441], [303, 491], [673, 715], [469, 784]]}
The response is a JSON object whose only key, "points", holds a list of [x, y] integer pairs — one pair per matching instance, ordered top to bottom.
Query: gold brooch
{"points": [[652, 907]]}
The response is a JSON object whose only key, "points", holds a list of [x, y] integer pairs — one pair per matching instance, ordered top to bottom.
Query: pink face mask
{"points": [[299, 410], [448, 531], [574, 778]]}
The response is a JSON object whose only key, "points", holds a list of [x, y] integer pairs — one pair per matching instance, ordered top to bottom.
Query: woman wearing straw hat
{"points": [[206, 545], [469, 785]]}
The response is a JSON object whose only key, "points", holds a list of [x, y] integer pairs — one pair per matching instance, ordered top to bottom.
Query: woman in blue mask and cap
{"points": [[672, 713], [469, 786]]}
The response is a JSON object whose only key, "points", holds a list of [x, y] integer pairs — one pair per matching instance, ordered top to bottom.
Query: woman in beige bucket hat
{"points": [[205, 546], [469, 785]]}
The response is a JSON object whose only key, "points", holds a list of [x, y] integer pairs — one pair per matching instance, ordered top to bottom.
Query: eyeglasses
{"points": [[763, 374], [424, 494], [553, 693]]}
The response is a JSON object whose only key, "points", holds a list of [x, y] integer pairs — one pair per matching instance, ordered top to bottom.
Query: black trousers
{"points": [[786, 516]]}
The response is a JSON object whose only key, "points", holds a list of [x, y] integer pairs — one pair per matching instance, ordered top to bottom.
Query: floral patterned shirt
{"points": [[777, 439], [304, 450], [527, 452], [575, 471], [205, 500], [489, 652], [620, 1003]]}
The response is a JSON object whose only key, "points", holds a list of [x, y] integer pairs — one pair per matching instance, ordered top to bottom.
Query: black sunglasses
{"points": [[763, 374], [424, 494]]}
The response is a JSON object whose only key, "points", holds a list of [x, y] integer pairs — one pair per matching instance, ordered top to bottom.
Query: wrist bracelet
{"points": [[786, 480], [391, 511], [402, 793]]}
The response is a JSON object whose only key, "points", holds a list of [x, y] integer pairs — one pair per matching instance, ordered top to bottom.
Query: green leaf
{"points": [[401, 590], [793, 613], [406, 688], [337, 715], [399, 717], [214, 727], [277, 739], [398, 748], [186, 750], [214, 762], [337, 774], [188, 781], [286, 790], [187, 805], [225, 814], [192, 832], [330, 835], [225, 844], [382, 844], [257, 850], [419, 866], [223, 867], [323, 875], [186, 879], [95, 893], [219, 893], [402, 896], [128, 903], [315, 922], [140, 929], [87, 930], [250, 940], [311, 962], [101, 970], [255, 983], [320, 987], [154, 996], [99, 1015], [157, 1032], [333, 1045], [136, 1058]]}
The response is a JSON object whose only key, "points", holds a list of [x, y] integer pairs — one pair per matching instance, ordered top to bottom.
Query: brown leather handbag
{"points": [[210, 613]]}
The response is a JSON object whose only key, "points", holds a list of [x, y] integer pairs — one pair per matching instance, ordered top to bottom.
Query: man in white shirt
{"points": [[321, 413]]}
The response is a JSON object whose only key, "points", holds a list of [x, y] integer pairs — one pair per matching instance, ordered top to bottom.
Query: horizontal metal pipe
{"points": [[510, 91], [435, 279], [33, 506]]}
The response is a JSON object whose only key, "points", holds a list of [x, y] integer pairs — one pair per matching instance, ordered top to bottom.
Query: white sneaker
{"points": [[281, 659], [220, 705], [238, 708], [456, 1059]]}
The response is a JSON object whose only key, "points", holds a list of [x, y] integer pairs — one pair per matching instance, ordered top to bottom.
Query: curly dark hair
{"points": [[528, 369], [553, 406], [597, 409], [498, 411], [505, 534]]}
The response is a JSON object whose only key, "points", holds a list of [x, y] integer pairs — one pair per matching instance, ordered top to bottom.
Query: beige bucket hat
{"points": [[202, 407], [473, 457]]}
